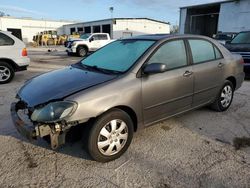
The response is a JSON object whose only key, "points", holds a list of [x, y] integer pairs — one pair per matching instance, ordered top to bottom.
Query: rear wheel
{"points": [[82, 51], [6, 73], [225, 97], [110, 136]]}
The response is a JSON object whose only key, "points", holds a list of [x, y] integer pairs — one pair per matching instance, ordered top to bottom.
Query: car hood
{"points": [[238, 47], [59, 84]]}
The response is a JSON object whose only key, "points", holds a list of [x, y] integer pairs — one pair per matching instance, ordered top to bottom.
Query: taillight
{"points": [[24, 52]]}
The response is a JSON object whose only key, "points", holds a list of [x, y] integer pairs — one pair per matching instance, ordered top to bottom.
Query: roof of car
{"points": [[163, 36]]}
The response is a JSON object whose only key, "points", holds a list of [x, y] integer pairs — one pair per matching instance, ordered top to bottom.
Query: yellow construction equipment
{"points": [[51, 37]]}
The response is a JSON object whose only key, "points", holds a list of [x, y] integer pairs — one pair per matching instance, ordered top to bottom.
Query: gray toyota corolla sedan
{"points": [[125, 86]]}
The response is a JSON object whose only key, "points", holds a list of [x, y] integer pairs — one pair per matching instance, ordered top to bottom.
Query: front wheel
{"points": [[82, 51], [225, 97], [110, 136]]}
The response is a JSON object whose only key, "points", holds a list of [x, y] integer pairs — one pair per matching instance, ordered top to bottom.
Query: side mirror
{"points": [[91, 39], [155, 68]]}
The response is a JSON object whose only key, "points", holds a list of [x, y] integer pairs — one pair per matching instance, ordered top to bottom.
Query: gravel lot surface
{"points": [[192, 150]]}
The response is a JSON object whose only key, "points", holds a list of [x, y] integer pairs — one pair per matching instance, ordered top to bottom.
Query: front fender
{"points": [[99, 99]]}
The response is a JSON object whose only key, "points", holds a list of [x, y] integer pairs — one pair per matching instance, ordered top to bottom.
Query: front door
{"points": [[97, 41], [168, 93]]}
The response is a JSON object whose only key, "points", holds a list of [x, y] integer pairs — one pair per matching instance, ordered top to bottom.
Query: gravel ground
{"points": [[191, 150]]}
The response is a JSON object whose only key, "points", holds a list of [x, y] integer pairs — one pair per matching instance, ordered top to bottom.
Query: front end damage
{"points": [[21, 116]]}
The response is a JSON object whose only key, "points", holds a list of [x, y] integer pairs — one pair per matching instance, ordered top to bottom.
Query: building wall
{"points": [[234, 16], [182, 22], [31, 27], [125, 27], [133, 27]]}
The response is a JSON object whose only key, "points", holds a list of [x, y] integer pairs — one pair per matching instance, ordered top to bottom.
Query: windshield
{"points": [[85, 36], [242, 38], [119, 55]]}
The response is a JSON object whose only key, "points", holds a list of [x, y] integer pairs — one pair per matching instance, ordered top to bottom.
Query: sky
{"points": [[89, 10]]}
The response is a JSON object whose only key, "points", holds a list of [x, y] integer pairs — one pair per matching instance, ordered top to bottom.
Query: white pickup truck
{"points": [[87, 43]]}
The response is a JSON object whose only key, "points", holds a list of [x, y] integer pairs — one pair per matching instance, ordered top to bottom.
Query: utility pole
{"points": [[111, 9]]}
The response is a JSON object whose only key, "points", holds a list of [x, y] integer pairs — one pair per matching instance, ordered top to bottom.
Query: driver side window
{"points": [[172, 53]]}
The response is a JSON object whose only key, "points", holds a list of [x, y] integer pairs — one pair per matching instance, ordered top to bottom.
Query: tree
{"points": [[3, 14], [174, 29]]}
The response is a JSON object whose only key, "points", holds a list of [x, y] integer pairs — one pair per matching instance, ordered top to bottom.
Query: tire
{"points": [[82, 51], [70, 53], [7, 72], [223, 103], [105, 148]]}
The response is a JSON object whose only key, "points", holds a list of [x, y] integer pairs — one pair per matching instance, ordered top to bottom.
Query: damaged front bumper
{"points": [[27, 129]]}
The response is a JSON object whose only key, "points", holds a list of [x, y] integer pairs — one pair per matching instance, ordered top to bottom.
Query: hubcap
{"points": [[82, 52], [4, 73], [226, 96], [112, 137]]}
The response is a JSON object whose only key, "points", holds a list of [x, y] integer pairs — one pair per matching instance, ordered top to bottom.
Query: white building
{"points": [[208, 19], [120, 27], [26, 28]]}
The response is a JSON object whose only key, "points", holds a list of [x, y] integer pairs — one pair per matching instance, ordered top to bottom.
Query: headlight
{"points": [[73, 44], [54, 111]]}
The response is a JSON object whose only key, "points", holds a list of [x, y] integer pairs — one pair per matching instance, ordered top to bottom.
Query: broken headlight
{"points": [[54, 111]]}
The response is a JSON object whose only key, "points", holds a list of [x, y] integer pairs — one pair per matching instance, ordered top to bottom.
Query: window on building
{"points": [[80, 29], [87, 29], [96, 29], [106, 29], [72, 30], [5, 40], [172, 53]]}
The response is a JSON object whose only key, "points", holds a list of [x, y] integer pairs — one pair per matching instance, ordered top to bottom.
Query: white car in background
{"points": [[87, 43], [13, 56]]}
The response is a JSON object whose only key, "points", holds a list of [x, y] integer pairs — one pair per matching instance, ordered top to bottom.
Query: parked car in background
{"points": [[223, 38], [87, 43], [241, 45], [13, 56], [125, 86]]}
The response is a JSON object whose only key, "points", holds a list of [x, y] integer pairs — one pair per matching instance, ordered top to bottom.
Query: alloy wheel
{"points": [[5, 73], [226, 96], [112, 137]]}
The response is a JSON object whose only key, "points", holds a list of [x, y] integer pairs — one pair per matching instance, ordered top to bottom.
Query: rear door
{"points": [[208, 66], [165, 94]]}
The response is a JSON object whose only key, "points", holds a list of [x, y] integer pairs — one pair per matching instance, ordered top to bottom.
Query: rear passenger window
{"points": [[5, 40], [202, 50], [173, 54]]}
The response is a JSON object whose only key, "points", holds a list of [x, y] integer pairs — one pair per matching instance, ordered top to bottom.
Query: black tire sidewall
{"points": [[12, 72], [227, 83], [96, 128]]}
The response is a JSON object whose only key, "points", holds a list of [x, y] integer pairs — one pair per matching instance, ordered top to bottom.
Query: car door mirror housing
{"points": [[91, 39], [155, 68]]}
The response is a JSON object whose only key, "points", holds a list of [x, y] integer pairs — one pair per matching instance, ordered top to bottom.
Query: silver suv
{"points": [[125, 86]]}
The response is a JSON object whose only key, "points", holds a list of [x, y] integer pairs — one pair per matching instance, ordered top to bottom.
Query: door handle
{"points": [[220, 65], [187, 73]]}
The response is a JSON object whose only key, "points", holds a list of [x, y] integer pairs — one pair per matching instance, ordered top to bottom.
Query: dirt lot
{"points": [[192, 150]]}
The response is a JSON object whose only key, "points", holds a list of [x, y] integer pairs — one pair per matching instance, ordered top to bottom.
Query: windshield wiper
{"points": [[96, 68], [106, 71]]}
